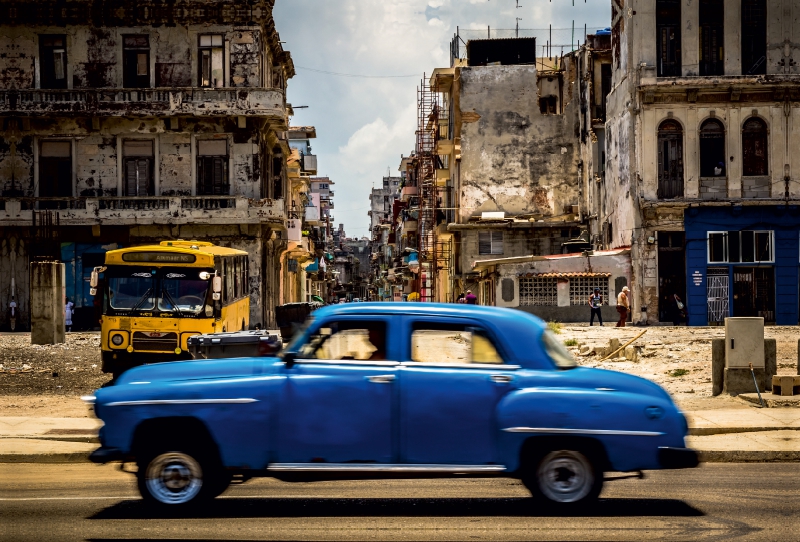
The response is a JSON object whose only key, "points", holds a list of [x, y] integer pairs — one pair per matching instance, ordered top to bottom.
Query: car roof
{"points": [[498, 315]]}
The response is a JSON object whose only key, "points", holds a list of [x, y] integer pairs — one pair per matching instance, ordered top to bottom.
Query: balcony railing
{"points": [[165, 101], [144, 210]]}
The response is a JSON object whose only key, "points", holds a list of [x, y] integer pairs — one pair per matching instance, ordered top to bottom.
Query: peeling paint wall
{"points": [[245, 58], [515, 159]]}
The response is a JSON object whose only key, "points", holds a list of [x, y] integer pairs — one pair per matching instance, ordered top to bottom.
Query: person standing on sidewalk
{"points": [[471, 299], [596, 303], [623, 306], [69, 309]]}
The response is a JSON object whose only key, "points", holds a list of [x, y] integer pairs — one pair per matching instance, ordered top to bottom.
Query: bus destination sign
{"points": [[158, 257]]}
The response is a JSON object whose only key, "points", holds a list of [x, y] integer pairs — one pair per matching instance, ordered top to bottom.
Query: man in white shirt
{"points": [[623, 306]]}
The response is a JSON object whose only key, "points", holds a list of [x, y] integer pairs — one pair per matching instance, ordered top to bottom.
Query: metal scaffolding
{"points": [[427, 130]]}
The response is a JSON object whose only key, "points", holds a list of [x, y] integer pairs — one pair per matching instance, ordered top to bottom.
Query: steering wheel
{"points": [[191, 300]]}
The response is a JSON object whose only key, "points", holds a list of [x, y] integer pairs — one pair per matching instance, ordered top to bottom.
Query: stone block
{"points": [[47, 288], [613, 344], [632, 353], [770, 361], [718, 365], [741, 381], [786, 385]]}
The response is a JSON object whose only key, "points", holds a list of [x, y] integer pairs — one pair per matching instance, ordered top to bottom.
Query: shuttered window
{"points": [[138, 168], [212, 168], [490, 242]]}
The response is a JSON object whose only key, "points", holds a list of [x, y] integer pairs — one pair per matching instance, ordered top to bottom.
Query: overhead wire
{"points": [[339, 74]]}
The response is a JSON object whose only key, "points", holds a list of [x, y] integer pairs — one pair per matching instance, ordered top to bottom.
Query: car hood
{"points": [[197, 370]]}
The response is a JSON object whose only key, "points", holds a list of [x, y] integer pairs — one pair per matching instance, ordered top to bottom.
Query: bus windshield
{"points": [[180, 291], [182, 294]]}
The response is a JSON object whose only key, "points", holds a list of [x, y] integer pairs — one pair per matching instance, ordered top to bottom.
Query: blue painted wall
{"points": [[782, 219]]}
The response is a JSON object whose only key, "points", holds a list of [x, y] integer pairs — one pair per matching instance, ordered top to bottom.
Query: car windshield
{"points": [[135, 291], [181, 293], [557, 351]]}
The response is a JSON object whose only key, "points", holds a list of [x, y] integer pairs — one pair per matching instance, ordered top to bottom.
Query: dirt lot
{"points": [[48, 380]]}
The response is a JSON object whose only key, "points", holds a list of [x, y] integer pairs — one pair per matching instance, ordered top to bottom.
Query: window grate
{"points": [[580, 288], [539, 292]]}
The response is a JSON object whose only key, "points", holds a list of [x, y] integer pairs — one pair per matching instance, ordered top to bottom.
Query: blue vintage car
{"points": [[379, 390]]}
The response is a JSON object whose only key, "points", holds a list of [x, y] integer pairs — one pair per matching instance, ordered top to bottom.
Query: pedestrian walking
{"points": [[460, 298], [470, 298], [596, 303], [623, 306], [12, 307], [69, 309], [678, 310]]}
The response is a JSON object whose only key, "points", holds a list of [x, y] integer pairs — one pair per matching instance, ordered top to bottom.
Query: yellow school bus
{"points": [[155, 297]]}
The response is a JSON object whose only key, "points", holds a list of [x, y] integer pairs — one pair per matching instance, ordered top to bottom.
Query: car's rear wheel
{"points": [[171, 477], [564, 477]]}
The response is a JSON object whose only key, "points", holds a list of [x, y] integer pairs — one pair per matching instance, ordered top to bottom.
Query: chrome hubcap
{"points": [[565, 476], [174, 478]]}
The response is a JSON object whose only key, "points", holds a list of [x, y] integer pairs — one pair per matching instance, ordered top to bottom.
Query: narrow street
{"points": [[714, 502]]}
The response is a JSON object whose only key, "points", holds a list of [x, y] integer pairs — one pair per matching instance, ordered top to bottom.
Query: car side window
{"points": [[347, 340], [456, 344]]}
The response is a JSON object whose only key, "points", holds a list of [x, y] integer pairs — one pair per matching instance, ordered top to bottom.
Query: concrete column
{"points": [[777, 10], [644, 33], [690, 37], [733, 37], [734, 146], [777, 149], [649, 158], [794, 158], [691, 164], [47, 302]]}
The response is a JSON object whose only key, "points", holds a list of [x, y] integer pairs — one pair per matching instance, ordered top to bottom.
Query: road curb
{"points": [[66, 457]]}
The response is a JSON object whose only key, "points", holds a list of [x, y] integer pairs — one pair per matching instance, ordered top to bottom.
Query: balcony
{"points": [[247, 102], [144, 210]]}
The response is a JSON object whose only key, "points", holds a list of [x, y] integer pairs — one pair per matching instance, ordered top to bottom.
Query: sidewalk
{"points": [[740, 435]]}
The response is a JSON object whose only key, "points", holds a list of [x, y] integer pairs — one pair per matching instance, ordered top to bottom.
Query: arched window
{"points": [[754, 37], [754, 148], [712, 149], [670, 160]]}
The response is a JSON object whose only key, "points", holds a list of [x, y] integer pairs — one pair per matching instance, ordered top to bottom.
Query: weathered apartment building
{"points": [[132, 122], [702, 163], [496, 191]]}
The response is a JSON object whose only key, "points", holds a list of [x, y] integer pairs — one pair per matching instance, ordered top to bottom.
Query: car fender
{"points": [[629, 426]]}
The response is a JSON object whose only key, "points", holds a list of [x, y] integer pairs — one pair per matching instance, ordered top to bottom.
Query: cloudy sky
{"points": [[366, 116]]}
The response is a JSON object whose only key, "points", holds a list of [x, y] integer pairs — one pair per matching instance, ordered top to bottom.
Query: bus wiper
{"points": [[169, 298], [142, 299]]}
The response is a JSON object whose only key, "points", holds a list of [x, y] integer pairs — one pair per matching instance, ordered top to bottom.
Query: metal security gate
{"points": [[717, 293]]}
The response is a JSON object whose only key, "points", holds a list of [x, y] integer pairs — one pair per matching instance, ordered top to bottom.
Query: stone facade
{"points": [[136, 122]]}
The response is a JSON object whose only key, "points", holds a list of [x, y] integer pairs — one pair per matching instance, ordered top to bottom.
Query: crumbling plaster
{"points": [[514, 159]]}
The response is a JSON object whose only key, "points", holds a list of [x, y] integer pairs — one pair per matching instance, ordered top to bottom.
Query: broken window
{"points": [[754, 37], [668, 38], [712, 38], [211, 55], [52, 61], [136, 61], [605, 90], [548, 105], [754, 148], [712, 149], [670, 160], [137, 163], [212, 167], [55, 169], [277, 173], [490, 242]]}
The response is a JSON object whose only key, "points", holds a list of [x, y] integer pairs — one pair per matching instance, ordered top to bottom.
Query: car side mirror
{"points": [[289, 359]]}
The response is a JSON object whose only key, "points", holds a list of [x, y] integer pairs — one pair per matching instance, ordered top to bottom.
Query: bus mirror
{"points": [[95, 279], [217, 285], [92, 291], [216, 296]]}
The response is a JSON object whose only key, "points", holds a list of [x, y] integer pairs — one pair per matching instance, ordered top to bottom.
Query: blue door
{"points": [[450, 386], [338, 398]]}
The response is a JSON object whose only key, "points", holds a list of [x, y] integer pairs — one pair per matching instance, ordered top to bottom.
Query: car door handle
{"points": [[381, 379], [501, 379]]}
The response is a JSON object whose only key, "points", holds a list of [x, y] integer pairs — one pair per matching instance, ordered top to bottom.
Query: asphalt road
{"points": [[714, 502]]}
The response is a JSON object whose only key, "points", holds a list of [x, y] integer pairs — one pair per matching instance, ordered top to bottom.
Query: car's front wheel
{"points": [[565, 477], [176, 478]]}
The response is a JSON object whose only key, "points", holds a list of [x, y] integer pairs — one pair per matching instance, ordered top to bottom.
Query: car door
{"points": [[451, 380], [338, 397]]}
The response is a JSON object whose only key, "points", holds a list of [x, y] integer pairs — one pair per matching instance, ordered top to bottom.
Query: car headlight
{"points": [[117, 339]]}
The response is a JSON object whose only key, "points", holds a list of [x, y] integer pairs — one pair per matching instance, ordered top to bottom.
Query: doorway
{"points": [[671, 273], [754, 292]]}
